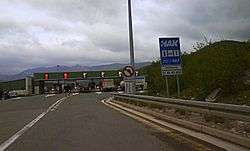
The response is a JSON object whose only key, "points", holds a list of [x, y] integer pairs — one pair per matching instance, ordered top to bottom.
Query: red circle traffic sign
{"points": [[128, 71]]}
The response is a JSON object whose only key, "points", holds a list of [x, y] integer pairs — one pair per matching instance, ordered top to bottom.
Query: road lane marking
{"points": [[75, 94], [49, 95], [17, 98], [138, 118], [12, 139]]}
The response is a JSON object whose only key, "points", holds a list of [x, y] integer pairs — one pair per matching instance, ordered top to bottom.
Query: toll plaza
{"points": [[81, 81], [55, 82]]}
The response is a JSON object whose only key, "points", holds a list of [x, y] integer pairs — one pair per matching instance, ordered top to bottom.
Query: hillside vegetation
{"points": [[221, 65]]}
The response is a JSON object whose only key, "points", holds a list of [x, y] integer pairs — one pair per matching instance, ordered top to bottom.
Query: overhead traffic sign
{"points": [[170, 56], [128, 71], [84, 74], [102, 74], [46, 76], [65, 76]]}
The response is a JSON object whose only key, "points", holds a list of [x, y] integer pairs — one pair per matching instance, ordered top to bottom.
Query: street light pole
{"points": [[131, 40], [130, 85], [57, 88]]}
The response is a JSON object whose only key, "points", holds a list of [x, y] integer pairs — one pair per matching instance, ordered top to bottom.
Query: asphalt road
{"points": [[16, 113], [80, 122]]}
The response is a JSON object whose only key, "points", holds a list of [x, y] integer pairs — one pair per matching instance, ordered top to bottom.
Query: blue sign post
{"points": [[170, 53]]}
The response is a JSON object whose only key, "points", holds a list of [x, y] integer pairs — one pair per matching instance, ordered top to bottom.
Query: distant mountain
{"points": [[116, 66], [62, 68]]}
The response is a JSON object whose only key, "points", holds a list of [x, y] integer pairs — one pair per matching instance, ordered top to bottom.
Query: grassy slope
{"points": [[219, 65]]}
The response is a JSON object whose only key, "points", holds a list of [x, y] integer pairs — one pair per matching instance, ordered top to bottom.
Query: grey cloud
{"points": [[49, 32]]}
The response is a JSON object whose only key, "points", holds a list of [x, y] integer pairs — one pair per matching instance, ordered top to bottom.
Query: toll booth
{"points": [[54, 82]]}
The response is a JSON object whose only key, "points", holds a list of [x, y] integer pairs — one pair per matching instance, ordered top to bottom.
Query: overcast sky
{"points": [[92, 32]]}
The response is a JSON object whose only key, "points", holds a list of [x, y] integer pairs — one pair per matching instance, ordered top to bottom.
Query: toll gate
{"points": [[55, 82]]}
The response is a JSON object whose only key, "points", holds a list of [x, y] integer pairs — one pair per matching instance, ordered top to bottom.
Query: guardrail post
{"points": [[178, 85], [167, 86]]}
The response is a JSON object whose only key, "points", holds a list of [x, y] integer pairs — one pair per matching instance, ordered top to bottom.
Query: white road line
{"points": [[98, 92], [75, 94], [49, 95], [17, 98], [142, 120], [12, 139]]}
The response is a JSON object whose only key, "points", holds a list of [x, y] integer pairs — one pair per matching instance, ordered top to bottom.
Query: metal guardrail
{"points": [[230, 111]]}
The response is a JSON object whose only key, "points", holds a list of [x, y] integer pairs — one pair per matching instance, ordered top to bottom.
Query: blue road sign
{"points": [[170, 53]]}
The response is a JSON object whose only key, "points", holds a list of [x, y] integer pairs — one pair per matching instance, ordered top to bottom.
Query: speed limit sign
{"points": [[128, 71]]}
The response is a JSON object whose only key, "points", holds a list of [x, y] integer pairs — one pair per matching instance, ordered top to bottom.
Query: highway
{"points": [[80, 122]]}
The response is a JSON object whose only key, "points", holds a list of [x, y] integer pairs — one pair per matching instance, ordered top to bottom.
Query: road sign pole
{"points": [[129, 74], [178, 85], [167, 86]]}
